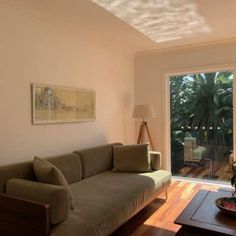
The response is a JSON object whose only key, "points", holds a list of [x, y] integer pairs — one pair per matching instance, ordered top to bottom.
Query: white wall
{"points": [[36, 49], [151, 87]]}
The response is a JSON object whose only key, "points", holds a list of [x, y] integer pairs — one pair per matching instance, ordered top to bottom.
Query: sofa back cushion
{"points": [[96, 159], [70, 166]]}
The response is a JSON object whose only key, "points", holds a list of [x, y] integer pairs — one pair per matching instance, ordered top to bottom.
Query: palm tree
{"points": [[213, 111]]}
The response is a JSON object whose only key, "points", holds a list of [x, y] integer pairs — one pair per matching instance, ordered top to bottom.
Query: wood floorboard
{"points": [[157, 219]]}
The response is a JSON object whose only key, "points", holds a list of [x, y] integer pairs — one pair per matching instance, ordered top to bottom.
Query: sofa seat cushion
{"points": [[107, 200]]}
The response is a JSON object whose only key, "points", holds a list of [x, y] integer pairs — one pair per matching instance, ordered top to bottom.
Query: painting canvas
{"points": [[55, 104]]}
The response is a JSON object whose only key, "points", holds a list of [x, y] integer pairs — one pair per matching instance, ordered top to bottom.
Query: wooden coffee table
{"points": [[202, 217]]}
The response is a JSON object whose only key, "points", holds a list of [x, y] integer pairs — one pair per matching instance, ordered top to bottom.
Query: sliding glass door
{"points": [[201, 108]]}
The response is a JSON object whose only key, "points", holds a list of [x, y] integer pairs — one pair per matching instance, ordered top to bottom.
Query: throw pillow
{"points": [[131, 158], [47, 173]]}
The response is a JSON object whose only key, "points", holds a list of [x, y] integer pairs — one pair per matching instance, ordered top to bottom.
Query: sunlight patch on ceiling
{"points": [[160, 20]]}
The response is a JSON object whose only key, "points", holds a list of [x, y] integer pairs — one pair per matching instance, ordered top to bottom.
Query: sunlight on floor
{"points": [[160, 20], [186, 193], [158, 218]]}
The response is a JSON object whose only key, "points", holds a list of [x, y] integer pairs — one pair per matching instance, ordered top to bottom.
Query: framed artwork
{"points": [[56, 104]]}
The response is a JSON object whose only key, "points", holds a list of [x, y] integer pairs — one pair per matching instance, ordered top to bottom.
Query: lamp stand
{"points": [[143, 127]]}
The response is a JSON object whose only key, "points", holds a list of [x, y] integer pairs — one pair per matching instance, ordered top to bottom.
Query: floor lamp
{"points": [[144, 111]]}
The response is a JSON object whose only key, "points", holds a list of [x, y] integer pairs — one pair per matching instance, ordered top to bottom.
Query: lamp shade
{"points": [[143, 111]]}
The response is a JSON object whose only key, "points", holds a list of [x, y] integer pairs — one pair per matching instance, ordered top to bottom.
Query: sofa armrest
{"points": [[156, 160], [55, 196], [23, 217]]}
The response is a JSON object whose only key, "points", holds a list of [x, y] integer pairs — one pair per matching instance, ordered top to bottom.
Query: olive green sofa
{"points": [[103, 199]]}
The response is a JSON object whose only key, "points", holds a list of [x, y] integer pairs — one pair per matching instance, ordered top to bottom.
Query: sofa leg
{"points": [[166, 194]]}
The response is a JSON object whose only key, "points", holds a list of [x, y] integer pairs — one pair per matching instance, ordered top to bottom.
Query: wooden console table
{"points": [[202, 216]]}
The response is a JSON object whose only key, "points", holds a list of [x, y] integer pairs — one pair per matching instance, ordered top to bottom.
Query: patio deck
{"points": [[220, 171]]}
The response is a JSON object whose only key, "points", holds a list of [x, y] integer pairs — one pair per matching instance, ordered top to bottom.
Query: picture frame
{"points": [[53, 104]]}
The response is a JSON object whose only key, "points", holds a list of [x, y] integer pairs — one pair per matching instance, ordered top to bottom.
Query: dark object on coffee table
{"points": [[227, 205]]}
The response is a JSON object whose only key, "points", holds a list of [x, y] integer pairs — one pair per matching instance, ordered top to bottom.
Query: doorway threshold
{"points": [[203, 181]]}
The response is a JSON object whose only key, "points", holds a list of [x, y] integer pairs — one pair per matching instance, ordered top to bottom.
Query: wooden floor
{"points": [[220, 171], [157, 219]]}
